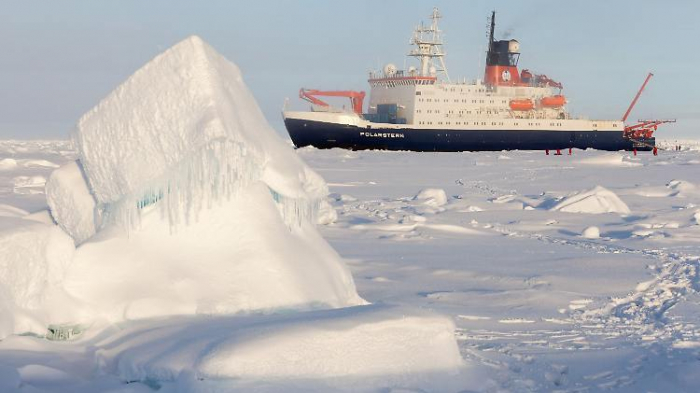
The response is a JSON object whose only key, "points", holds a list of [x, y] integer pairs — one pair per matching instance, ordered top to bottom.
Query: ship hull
{"points": [[326, 135]]}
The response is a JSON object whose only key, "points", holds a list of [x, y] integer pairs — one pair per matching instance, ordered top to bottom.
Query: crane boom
{"points": [[639, 93], [356, 97]]}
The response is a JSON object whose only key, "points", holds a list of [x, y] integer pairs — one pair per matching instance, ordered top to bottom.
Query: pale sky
{"points": [[59, 58]]}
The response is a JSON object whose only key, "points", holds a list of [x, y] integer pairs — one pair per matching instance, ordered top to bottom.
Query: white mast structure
{"points": [[428, 49]]}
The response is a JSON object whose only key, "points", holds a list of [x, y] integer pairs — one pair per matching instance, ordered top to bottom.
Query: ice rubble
{"points": [[595, 201], [326, 213]]}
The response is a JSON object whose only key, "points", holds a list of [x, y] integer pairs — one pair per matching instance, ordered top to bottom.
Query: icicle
{"points": [[216, 172], [295, 211]]}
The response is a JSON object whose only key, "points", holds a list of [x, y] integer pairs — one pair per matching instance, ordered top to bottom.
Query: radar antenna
{"points": [[428, 41]]}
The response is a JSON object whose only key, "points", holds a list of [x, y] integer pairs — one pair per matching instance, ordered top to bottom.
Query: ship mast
{"points": [[428, 49]]}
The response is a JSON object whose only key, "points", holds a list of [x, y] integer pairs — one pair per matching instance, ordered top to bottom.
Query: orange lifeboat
{"points": [[553, 101], [522, 105]]}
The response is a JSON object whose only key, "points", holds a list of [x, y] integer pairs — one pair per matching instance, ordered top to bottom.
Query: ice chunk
{"points": [[186, 130], [7, 164], [29, 184], [682, 188], [434, 197], [596, 201], [71, 203], [326, 214], [591, 232]]}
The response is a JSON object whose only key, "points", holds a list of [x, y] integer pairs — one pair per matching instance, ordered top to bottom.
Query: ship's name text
{"points": [[381, 134]]}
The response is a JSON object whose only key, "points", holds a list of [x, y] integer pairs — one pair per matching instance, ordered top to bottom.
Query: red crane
{"points": [[639, 93], [356, 97], [643, 128]]}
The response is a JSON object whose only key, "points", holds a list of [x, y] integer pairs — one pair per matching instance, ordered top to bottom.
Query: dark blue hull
{"points": [[329, 135]]}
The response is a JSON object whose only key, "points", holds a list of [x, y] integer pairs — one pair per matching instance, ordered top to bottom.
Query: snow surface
{"points": [[536, 306]]}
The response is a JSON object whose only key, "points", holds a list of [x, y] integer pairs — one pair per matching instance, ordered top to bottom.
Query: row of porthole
{"points": [[457, 101], [462, 111], [476, 123]]}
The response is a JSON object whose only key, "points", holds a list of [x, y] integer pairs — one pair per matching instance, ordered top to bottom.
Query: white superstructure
{"points": [[426, 98]]}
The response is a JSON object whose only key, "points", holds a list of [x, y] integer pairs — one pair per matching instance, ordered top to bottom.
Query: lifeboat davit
{"points": [[556, 101], [522, 105]]}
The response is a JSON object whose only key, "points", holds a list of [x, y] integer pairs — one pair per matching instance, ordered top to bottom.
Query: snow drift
{"points": [[596, 201], [394, 345]]}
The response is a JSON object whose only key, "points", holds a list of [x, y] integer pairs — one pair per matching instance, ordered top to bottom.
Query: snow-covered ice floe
{"points": [[596, 201]]}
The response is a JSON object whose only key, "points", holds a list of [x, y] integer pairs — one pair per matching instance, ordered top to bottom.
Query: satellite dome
{"points": [[513, 46], [390, 69], [433, 71]]}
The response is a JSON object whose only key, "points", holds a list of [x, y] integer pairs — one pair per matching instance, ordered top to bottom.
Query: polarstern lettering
{"points": [[381, 134]]}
